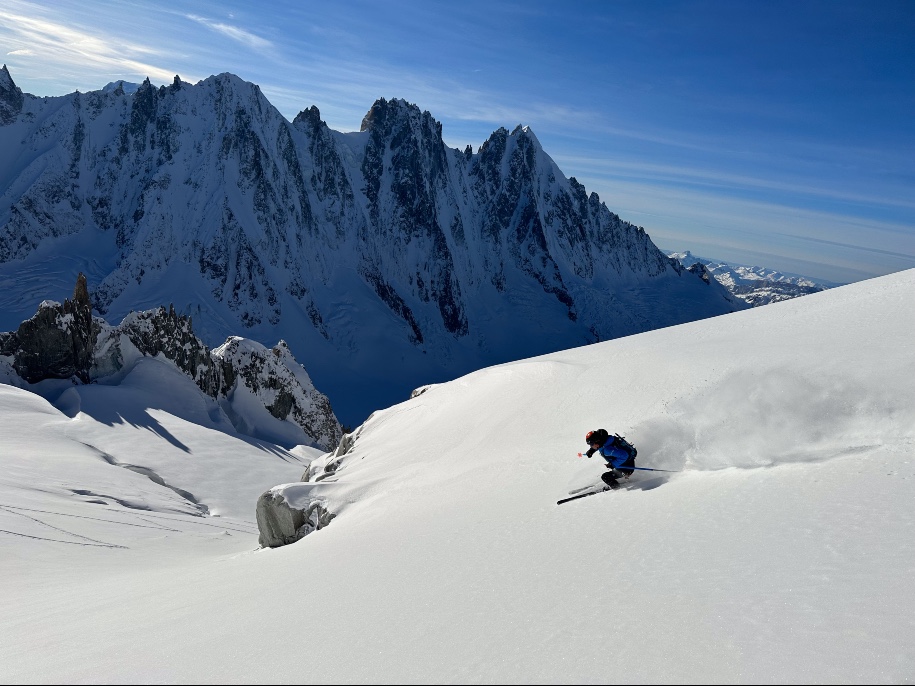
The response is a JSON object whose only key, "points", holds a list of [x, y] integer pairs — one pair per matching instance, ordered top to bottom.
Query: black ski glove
{"points": [[590, 452]]}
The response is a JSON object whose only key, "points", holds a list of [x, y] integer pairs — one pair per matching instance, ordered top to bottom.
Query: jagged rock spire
{"points": [[6, 81], [10, 98], [57, 343]]}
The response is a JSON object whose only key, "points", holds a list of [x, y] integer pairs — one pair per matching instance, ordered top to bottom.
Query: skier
{"points": [[618, 452]]}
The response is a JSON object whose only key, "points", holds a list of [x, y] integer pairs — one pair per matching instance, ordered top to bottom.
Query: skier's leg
{"points": [[609, 479]]}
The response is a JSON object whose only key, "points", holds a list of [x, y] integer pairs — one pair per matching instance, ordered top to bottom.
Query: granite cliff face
{"points": [[10, 98], [390, 258], [67, 342]]}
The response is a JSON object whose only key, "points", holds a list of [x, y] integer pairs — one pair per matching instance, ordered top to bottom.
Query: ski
{"points": [[623, 479], [583, 495]]}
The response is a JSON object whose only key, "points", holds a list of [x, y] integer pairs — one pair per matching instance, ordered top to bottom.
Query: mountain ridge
{"points": [[386, 259], [753, 284]]}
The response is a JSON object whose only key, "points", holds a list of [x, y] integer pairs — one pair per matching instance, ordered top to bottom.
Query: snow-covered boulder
{"points": [[422, 389], [280, 523]]}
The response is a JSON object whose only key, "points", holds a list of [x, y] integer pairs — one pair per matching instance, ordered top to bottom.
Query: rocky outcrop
{"points": [[10, 98], [699, 270], [765, 292], [161, 331], [66, 341], [58, 342], [279, 383], [329, 464], [281, 524]]}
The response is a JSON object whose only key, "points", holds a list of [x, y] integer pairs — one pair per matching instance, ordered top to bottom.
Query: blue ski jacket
{"points": [[615, 457]]}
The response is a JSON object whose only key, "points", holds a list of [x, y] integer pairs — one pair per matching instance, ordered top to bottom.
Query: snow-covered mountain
{"points": [[121, 85], [386, 259], [754, 285], [263, 393], [782, 551]]}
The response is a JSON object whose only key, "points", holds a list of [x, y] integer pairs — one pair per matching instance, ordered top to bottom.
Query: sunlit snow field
{"points": [[781, 550]]}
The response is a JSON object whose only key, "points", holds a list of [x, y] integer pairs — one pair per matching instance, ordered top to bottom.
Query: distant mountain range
{"points": [[384, 258], [754, 285]]}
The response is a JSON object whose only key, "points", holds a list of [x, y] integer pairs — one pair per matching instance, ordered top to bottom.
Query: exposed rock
{"points": [[10, 98], [699, 270], [765, 292], [162, 331], [66, 341], [9, 342], [56, 343], [279, 383], [422, 389], [328, 465], [280, 524]]}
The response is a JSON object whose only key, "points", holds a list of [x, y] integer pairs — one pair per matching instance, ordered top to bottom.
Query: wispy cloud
{"points": [[246, 38], [60, 45], [697, 176], [722, 210], [839, 243], [892, 253]]}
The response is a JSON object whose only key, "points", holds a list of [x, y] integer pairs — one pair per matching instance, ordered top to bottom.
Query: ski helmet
{"points": [[598, 436]]}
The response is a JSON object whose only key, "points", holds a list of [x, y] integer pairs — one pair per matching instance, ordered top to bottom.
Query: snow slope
{"points": [[782, 552]]}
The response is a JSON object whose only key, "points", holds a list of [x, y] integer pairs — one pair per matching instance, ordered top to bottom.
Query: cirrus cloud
{"points": [[240, 35], [63, 46]]}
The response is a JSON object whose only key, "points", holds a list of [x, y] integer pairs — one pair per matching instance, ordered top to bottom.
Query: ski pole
{"points": [[645, 469]]}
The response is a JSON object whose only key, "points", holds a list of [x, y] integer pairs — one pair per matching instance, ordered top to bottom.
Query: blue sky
{"points": [[779, 134]]}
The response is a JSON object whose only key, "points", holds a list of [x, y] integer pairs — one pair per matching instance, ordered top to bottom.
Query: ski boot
{"points": [[609, 478]]}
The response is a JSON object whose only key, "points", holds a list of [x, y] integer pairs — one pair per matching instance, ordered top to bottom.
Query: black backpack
{"points": [[618, 441]]}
